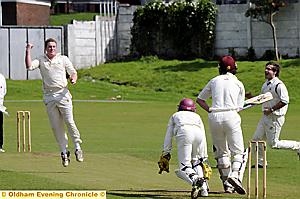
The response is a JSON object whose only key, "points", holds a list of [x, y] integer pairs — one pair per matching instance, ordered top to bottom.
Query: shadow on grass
{"points": [[190, 67], [44, 154], [32, 172], [165, 194]]}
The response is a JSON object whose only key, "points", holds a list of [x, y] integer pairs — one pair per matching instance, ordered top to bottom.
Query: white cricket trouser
{"points": [[60, 110], [269, 128], [228, 142], [191, 146]]}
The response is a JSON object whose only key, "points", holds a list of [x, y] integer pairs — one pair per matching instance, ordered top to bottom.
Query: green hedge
{"points": [[181, 29]]}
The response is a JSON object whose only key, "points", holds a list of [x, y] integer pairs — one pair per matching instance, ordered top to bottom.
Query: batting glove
{"points": [[207, 171]]}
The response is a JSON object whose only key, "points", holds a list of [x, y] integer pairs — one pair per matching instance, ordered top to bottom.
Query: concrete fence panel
{"points": [[235, 31], [13, 41], [90, 43], [81, 48], [4, 58]]}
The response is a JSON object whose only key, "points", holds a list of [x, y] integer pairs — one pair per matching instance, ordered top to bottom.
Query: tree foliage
{"points": [[265, 10], [180, 29]]}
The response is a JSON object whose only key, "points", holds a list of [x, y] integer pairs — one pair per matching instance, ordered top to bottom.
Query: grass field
{"points": [[63, 19], [123, 139]]}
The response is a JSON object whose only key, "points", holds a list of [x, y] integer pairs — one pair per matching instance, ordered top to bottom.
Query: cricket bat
{"points": [[259, 99]]}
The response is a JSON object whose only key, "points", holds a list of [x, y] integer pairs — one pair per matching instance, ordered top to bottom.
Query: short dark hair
{"points": [[48, 41], [275, 68]]}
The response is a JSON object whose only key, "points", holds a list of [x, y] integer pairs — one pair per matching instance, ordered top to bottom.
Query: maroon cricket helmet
{"points": [[187, 104]]}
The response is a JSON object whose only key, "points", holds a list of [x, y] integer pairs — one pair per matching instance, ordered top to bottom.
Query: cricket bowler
{"points": [[57, 98]]}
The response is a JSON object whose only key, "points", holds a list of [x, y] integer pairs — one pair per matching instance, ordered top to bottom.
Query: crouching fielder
{"points": [[187, 127]]}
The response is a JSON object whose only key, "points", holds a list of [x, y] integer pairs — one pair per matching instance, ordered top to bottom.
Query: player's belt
{"points": [[53, 90], [222, 109]]}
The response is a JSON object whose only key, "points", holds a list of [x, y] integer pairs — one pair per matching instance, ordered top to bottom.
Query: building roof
{"points": [[81, 1], [38, 2]]}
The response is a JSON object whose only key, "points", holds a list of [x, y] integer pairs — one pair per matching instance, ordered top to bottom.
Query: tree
{"points": [[53, 3], [265, 10]]}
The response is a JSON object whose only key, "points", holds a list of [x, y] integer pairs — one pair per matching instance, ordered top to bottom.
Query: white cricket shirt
{"points": [[53, 71], [226, 91], [279, 92], [178, 120]]}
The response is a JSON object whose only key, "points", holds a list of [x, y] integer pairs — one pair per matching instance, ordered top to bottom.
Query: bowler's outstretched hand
{"points": [[29, 45]]}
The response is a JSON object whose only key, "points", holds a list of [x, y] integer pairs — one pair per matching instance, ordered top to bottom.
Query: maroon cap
{"points": [[227, 62]]}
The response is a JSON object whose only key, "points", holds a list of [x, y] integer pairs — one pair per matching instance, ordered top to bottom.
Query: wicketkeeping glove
{"points": [[163, 163], [207, 171]]}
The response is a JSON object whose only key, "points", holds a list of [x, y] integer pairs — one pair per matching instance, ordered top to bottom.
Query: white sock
{"points": [[77, 146], [64, 151]]}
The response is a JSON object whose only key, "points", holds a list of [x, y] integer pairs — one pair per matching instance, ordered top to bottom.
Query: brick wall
{"points": [[15, 13]]}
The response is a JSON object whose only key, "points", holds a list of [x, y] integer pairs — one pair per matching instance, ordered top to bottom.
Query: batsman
{"points": [[227, 94], [187, 127]]}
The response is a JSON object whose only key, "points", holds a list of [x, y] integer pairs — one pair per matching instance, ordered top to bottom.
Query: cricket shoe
{"points": [[2, 150], [79, 155], [65, 158], [238, 187], [228, 188], [204, 189], [196, 190], [203, 192]]}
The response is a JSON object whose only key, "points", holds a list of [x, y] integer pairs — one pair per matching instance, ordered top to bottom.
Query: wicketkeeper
{"points": [[187, 127]]}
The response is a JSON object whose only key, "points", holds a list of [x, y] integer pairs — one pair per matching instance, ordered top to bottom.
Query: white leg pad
{"points": [[239, 165], [224, 167], [198, 168], [182, 175]]}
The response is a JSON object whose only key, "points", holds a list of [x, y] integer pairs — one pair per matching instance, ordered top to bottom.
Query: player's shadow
{"points": [[165, 194]]}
